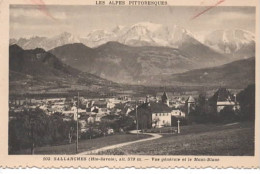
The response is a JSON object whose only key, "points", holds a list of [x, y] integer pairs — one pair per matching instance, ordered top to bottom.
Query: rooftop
{"points": [[222, 95], [190, 99], [159, 107]]}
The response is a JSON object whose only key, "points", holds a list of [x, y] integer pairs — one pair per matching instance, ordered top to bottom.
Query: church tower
{"points": [[165, 99], [190, 103]]}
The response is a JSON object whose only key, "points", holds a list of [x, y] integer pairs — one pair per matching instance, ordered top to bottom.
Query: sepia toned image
{"points": [[119, 82]]}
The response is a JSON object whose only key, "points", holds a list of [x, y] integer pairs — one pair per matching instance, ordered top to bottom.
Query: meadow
{"points": [[235, 139], [85, 145]]}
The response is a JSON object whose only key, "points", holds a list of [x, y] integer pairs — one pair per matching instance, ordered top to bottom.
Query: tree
{"points": [[246, 99], [202, 100], [204, 112], [227, 114], [144, 117], [126, 123], [103, 126], [32, 128], [68, 129], [27, 130], [70, 134]]}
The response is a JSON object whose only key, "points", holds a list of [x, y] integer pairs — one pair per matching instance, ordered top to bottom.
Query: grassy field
{"points": [[223, 140], [86, 145]]}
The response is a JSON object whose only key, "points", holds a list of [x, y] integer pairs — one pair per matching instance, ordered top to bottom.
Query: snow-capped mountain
{"points": [[147, 33], [140, 34], [98, 37], [62, 39], [44, 42], [30, 43], [236, 43]]}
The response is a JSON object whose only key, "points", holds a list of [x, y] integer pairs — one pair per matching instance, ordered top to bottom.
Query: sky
{"points": [[27, 21]]}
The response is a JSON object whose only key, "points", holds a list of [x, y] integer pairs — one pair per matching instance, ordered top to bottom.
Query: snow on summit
{"points": [[150, 26], [149, 34], [231, 41]]}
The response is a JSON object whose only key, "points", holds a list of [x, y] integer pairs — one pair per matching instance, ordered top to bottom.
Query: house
{"points": [[223, 98], [100, 103], [110, 105], [100, 106], [74, 111], [127, 111], [178, 113], [153, 114], [161, 114], [91, 119]]}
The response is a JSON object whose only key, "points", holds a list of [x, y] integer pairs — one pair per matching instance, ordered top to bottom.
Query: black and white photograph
{"points": [[132, 80]]}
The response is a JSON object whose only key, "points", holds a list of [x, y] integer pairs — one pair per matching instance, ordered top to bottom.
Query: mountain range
{"points": [[45, 43], [234, 43], [144, 53], [136, 65], [38, 70], [237, 74]]}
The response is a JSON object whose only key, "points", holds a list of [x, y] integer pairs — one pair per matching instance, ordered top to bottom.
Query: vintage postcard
{"points": [[129, 83]]}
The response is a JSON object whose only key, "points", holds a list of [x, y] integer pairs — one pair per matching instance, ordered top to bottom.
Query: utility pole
{"points": [[136, 118], [31, 122], [179, 131], [32, 137], [77, 140]]}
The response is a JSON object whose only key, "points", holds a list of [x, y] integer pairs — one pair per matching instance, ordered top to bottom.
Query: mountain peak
{"points": [[149, 25], [236, 42], [112, 44], [15, 47], [72, 47]]}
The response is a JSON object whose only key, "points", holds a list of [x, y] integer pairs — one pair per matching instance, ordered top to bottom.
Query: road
{"points": [[153, 137]]}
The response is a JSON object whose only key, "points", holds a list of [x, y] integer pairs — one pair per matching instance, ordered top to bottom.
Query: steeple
{"points": [[165, 98]]}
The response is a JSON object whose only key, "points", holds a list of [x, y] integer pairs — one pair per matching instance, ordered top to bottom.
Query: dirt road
{"points": [[153, 136]]}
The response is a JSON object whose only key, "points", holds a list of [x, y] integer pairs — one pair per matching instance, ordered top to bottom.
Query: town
{"points": [[163, 107], [164, 110]]}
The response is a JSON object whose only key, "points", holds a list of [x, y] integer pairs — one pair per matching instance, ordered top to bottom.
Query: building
{"points": [[223, 98], [165, 99], [190, 104], [100, 107], [74, 112], [178, 113], [153, 114], [161, 114]]}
